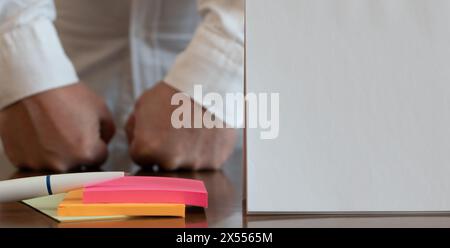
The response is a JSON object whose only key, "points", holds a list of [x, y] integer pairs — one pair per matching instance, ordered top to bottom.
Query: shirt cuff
{"points": [[32, 60], [217, 64]]}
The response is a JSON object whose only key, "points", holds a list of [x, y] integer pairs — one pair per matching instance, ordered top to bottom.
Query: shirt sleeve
{"points": [[214, 58], [32, 59]]}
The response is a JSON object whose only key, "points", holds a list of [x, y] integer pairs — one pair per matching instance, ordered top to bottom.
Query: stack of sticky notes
{"points": [[135, 196]]}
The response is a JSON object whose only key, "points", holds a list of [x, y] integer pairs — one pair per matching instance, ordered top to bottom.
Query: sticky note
{"points": [[136, 189], [48, 205], [72, 205], [131, 222]]}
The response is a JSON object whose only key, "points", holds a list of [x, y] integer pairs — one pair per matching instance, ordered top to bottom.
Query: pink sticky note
{"points": [[136, 189]]}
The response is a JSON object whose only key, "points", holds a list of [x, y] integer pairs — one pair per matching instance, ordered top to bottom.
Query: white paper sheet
{"points": [[365, 105]]}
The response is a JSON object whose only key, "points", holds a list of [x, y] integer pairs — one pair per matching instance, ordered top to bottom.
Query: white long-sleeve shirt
{"points": [[121, 48], [32, 58]]}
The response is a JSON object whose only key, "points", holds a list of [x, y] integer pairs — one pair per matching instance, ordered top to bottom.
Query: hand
{"points": [[57, 130], [153, 139]]}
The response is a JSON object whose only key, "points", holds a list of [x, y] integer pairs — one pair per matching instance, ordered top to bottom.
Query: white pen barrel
{"points": [[66, 182], [30, 187], [22, 188]]}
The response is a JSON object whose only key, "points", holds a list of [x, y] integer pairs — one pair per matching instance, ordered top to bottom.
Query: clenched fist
{"points": [[57, 130], [153, 139]]}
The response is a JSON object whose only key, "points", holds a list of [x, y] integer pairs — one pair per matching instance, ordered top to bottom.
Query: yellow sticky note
{"points": [[48, 205], [72, 205]]}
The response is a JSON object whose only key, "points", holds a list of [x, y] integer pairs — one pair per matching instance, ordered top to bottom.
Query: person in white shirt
{"points": [[68, 85]]}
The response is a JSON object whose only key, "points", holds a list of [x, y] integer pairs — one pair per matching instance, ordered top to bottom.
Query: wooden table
{"points": [[225, 203], [225, 209]]}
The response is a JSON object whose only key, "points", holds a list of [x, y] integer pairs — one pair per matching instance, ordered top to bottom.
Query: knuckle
{"points": [[142, 148], [137, 151], [88, 153], [84, 154], [137, 156], [142, 156], [171, 163], [217, 163], [30, 164], [208, 164], [57, 165], [196, 165], [216, 166], [58, 168]]}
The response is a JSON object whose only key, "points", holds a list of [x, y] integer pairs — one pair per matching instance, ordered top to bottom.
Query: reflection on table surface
{"points": [[224, 192], [350, 221]]}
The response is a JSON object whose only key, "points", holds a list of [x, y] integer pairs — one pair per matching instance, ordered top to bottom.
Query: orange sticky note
{"points": [[73, 205]]}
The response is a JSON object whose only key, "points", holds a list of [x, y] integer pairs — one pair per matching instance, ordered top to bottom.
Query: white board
{"points": [[364, 105]]}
